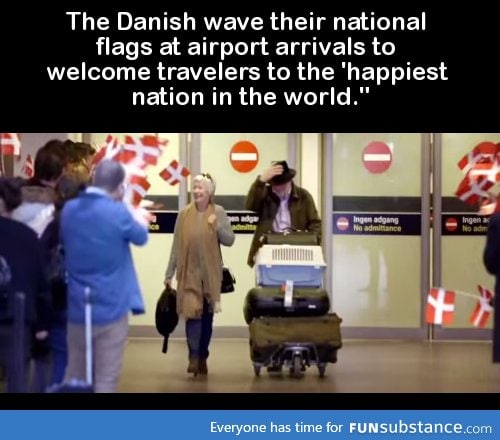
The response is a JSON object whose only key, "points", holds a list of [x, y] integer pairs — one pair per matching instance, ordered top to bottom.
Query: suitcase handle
{"points": [[280, 299], [88, 336]]}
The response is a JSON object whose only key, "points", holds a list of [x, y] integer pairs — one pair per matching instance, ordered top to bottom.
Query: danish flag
{"points": [[10, 144], [147, 148], [110, 150], [481, 151], [27, 169], [490, 170], [174, 173], [138, 188], [471, 190], [489, 205], [440, 306], [482, 312]]}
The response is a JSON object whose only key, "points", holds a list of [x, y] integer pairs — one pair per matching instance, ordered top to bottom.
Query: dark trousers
{"points": [[496, 329], [199, 333], [59, 350], [14, 355]]}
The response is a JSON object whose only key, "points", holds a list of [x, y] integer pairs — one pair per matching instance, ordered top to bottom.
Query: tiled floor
{"points": [[363, 366]]}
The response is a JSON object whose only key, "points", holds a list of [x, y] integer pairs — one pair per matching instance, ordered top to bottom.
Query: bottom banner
{"points": [[137, 424]]}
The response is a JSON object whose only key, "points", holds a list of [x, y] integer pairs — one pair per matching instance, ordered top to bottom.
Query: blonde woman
{"points": [[195, 259]]}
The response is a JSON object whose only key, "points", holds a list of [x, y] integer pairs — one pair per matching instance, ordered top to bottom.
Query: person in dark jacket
{"points": [[67, 188], [38, 194], [281, 205], [37, 211], [20, 249], [491, 259]]}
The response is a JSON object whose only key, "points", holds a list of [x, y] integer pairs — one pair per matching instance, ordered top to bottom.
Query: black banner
{"points": [[184, 67], [162, 222], [242, 222], [376, 224], [464, 224]]}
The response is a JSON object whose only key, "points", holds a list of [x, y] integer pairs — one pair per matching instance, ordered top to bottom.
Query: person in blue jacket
{"points": [[97, 229]]}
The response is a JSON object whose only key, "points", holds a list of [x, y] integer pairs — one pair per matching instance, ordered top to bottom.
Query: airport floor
{"points": [[364, 366]]}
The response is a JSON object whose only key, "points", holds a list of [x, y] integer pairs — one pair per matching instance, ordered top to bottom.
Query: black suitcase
{"points": [[270, 301]]}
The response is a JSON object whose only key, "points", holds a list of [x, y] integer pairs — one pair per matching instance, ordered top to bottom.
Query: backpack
{"points": [[166, 317]]}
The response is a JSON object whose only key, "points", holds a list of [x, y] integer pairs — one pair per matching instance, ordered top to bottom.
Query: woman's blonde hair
{"points": [[207, 181]]}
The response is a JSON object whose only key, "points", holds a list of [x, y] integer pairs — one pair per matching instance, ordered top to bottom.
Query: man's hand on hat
{"points": [[269, 173]]}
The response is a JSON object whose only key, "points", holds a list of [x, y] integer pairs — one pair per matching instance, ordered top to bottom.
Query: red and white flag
{"points": [[10, 144], [147, 148], [110, 150], [484, 150], [28, 169], [488, 170], [174, 173], [138, 188], [471, 190], [489, 206], [440, 306], [482, 312]]}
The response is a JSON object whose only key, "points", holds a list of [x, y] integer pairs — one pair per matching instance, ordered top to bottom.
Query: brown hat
{"points": [[287, 175]]}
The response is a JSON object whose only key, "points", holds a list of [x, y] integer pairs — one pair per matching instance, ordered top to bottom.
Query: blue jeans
{"points": [[199, 333]]}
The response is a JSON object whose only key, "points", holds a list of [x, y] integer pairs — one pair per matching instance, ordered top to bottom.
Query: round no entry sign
{"points": [[244, 156], [377, 157], [451, 224]]}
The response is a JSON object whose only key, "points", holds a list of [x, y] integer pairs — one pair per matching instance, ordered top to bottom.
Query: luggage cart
{"points": [[290, 268], [296, 356]]}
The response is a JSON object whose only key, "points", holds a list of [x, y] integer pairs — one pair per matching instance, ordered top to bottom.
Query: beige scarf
{"points": [[193, 235]]}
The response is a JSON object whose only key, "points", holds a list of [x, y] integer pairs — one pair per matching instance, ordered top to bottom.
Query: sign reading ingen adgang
{"points": [[241, 222], [377, 224], [464, 224]]}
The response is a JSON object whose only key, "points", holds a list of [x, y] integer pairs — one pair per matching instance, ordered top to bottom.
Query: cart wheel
{"points": [[296, 369], [322, 369], [256, 370]]}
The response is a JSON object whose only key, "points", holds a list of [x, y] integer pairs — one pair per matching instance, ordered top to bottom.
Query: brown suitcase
{"points": [[317, 330], [267, 335]]}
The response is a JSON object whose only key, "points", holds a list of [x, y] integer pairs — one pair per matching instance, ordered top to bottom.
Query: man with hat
{"points": [[281, 205]]}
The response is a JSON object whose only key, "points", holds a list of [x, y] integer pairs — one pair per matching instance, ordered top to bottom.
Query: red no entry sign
{"points": [[244, 156], [377, 157], [342, 223], [451, 224]]}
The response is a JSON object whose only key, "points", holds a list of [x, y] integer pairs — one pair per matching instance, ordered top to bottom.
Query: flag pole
{"points": [[466, 294], [469, 295]]}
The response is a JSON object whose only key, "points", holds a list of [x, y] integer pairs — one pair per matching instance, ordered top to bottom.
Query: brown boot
{"points": [[193, 366], [203, 369]]}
